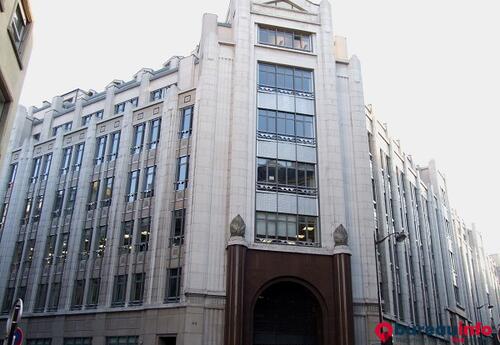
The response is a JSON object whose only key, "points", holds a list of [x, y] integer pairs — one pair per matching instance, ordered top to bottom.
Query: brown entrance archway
{"points": [[287, 313]]}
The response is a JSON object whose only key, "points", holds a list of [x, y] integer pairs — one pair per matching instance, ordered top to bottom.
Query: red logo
{"points": [[384, 331]]}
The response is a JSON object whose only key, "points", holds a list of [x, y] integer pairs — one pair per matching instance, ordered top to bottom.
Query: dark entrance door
{"points": [[287, 313]]}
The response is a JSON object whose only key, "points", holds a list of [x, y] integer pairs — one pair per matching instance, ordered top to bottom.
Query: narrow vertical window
{"points": [[186, 122], [154, 136], [138, 138], [114, 145], [100, 150], [78, 157], [66, 159], [46, 166], [36, 169], [182, 172], [13, 173], [133, 182], [149, 182], [108, 191], [93, 195], [58, 203], [70, 203], [27, 211], [37, 212], [178, 225], [127, 233], [143, 234], [101, 238], [86, 243], [173, 285], [120, 286], [137, 290], [55, 292], [93, 292], [78, 293], [41, 295]]}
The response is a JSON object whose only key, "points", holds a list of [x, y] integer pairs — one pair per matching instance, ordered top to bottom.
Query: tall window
{"points": [[18, 26], [285, 38], [186, 122], [154, 136], [138, 138], [113, 149], [100, 150], [78, 157], [66, 159], [46, 166], [36, 169], [182, 172], [13, 173], [133, 182], [149, 182], [108, 191], [93, 194], [58, 203], [70, 203], [27, 211], [37, 212], [178, 224], [286, 228], [127, 233], [143, 234], [86, 243], [100, 244], [173, 286], [119, 288], [137, 289], [78, 291], [55, 292], [93, 293], [41, 295]]}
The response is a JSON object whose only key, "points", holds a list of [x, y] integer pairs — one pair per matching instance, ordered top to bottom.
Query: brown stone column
{"points": [[235, 278], [342, 287]]}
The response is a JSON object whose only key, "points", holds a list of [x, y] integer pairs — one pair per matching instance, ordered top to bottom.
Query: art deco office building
{"points": [[225, 198]]}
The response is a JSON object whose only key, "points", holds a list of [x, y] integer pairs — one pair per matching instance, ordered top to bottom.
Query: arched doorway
{"points": [[287, 313]]}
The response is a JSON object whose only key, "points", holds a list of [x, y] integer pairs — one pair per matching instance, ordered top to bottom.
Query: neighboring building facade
{"points": [[15, 50], [224, 198], [439, 276]]}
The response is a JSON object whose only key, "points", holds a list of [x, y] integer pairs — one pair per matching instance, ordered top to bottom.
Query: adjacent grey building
{"points": [[230, 197]]}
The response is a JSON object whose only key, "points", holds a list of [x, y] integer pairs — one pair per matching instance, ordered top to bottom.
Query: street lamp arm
{"points": [[400, 236]]}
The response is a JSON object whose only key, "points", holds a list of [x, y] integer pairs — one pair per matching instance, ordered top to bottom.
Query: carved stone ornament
{"points": [[237, 227], [340, 236]]}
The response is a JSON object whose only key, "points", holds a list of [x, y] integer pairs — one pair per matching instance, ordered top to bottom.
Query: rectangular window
{"points": [[18, 26], [289, 78], [158, 94], [120, 107], [86, 119], [186, 122], [65, 127], [154, 134], [138, 138], [114, 145], [100, 150], [78, 157], [66, 159], [46, 166], [35, 172], [13, 173], [182, 173], [286, 176], [133, 182], [149, 182], [108, 191], [93, 195], [58, 203], [70, 203], [27, 211], [37, 212], [3, 214], [178, 225], [286, 229], [127, 233], [143, 234], [86, 243], [100, 244], [50, 249], [62, 250], [173, 286], [119, 289], [137, 289], [78, 290], [55, 292], [93, 293], [41, 295], [8, 299], [131, 340], [39, 341], [77, 341]]}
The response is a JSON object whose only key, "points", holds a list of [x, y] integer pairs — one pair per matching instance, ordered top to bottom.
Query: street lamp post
{"points": [[400, 237]]}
